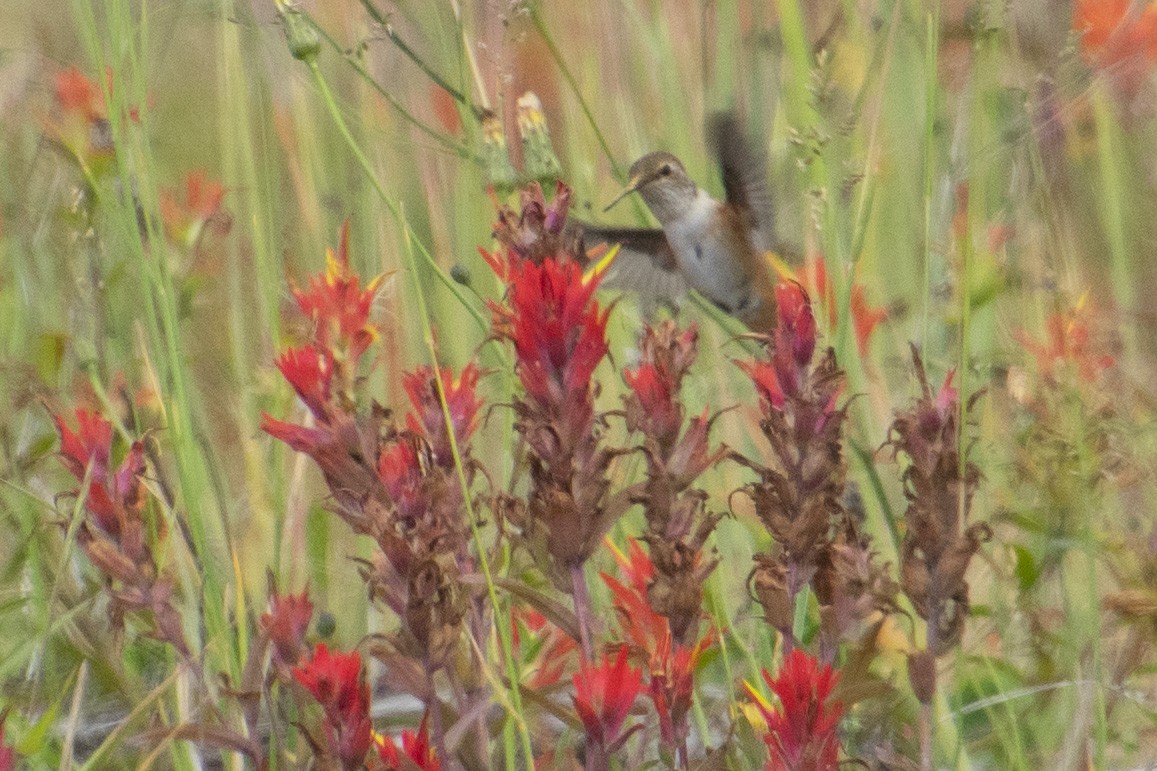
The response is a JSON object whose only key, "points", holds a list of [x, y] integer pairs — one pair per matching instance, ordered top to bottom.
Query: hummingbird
{"points": [[715, 247]]}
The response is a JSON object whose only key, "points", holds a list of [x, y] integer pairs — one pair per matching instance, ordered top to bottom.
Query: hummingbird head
{"points": [[663, 182]]}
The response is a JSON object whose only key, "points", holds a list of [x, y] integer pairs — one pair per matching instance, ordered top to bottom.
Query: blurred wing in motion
{"points": [[744, 169], [645, 264]]}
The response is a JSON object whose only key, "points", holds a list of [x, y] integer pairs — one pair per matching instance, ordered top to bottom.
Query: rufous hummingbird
{"points": [[715, 247]]}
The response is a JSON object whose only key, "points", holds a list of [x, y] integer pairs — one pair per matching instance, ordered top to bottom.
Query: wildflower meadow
{"points": [[332, 439]]}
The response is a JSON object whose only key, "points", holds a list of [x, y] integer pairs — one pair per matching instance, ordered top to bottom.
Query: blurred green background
{"points": [[962, 161]]}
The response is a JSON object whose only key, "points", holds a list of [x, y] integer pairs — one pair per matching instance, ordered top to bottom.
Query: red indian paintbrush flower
{"points": [[1112, 35], [1119, 38], [75, 93], [80, 124], [185, 213], [339, 306], [865, 318], [558, 330], [559, 334], [1069, 342], [793, 344], [324, 375], [656, 401], [653, 408], [428, 419], [938, 484], [113, 497], [797, 497], [678, 525], [115, 537], [286, 623], [640, 623], [670, 664], [336, 682], [672, 684], [604, 695], [802, 733], [417, 751]]}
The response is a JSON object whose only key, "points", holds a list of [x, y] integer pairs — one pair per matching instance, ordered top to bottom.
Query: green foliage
{"points": [[986, 180]]}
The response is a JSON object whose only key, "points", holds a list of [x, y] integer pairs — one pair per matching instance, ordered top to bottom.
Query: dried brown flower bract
{"points": [[938, 485], [678, 524]]}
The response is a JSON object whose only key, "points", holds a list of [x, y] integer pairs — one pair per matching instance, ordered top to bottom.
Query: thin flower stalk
{"points": [[558, 331], [678, 452], [395, 482], [798, 498], [115, 534], [938, 545], [670, 663]]}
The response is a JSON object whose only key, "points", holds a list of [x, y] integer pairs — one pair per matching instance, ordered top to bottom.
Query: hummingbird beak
{"points": [[631, 187]]}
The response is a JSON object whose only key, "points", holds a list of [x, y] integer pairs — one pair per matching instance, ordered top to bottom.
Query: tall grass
{"points": [[973, 172]]}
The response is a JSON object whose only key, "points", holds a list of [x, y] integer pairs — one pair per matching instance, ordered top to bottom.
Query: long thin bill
{"points": [[630, 188]]}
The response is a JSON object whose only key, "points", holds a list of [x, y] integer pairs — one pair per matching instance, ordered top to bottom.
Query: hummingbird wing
{"points": [[744, 168], [644, 265]]}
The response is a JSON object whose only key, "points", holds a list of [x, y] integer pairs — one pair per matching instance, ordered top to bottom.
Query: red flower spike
{"points": [[1112, 38], [75, 93], [79, 125], [185, 216], [339, 306], [865, 318], [558, 331], [796, 331], [1068, 342], [793, 345], [309, 370], [786, 374], [654, 389], [461, 400], [90, 443], [400, 467], [111, 498], [286, 623], [640, 623], [334, 679], [336, 682], [672, 684], [604, 695], [802, 734], [416, 749]]}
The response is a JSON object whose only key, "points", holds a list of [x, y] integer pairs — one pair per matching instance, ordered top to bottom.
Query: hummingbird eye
{"points": [[665, 170]]}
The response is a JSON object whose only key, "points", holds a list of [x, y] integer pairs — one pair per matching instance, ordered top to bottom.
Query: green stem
{"points": [[567, 75], [442, 83], [456, 147], [391, 204]]}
